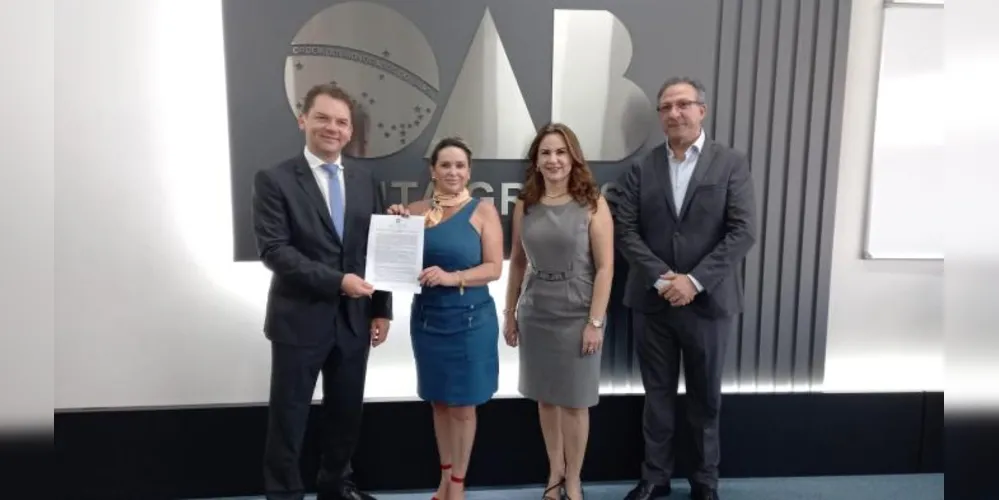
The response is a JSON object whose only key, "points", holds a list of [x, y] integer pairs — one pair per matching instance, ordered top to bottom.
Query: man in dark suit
{"points": [[311, 215], [685, 220]]}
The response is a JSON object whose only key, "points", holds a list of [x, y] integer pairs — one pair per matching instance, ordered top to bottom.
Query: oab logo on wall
{"points": [[381, 59], [388, 67], [488, 71]]}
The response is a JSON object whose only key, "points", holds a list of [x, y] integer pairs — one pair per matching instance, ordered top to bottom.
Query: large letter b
{"points": [[611, 115]]}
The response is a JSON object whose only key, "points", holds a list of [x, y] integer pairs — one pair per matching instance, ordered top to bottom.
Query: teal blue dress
{"points": [[455, 336]]}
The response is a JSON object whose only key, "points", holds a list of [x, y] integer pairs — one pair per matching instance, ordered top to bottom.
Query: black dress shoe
{"points": [[345, 491], [647, 491], [704, 493]]}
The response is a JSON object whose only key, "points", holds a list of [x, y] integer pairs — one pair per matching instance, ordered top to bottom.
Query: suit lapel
{"points": [[700, 169], [662, 172], [307, 180]]}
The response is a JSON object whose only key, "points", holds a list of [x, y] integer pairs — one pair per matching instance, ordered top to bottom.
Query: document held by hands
{"points": [[395, 253]]}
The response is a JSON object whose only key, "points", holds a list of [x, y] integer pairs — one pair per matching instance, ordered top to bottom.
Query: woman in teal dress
{"points": [[454, 326]]}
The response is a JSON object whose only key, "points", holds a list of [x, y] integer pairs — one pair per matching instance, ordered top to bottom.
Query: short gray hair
{"points": [[702, 93]]}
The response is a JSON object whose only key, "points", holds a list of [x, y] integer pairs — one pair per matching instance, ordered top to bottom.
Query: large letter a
{"points": [[486, 107]]}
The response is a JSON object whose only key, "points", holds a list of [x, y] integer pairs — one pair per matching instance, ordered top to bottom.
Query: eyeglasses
{"points": [[681, 105]]}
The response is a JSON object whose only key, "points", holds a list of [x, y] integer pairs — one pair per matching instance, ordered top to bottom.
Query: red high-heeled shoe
{"points": [[443, 468]]}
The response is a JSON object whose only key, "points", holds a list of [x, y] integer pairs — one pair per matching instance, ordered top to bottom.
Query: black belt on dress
{"points": [[551, 275]]}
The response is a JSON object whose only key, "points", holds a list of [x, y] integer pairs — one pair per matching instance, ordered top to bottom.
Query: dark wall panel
{"points": [[777, 96]]}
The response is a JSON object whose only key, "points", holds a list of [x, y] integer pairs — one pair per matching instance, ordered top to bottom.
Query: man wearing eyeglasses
{"points": [[685, 220]]}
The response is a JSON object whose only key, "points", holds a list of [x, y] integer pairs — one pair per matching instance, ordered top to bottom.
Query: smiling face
{"points": [[681, 112], [327, 126], [554, 160], [451, 171]]}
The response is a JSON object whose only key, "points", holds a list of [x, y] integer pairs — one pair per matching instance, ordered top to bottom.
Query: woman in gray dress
{"points": [[560, 277]]}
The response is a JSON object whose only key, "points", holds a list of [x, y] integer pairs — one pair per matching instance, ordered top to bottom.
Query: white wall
{"points": [[26, 174], [151, 310], [885, 317], [972, 317]]}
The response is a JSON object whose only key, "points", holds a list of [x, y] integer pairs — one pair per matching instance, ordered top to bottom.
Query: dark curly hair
{"points": [[582, 187]]}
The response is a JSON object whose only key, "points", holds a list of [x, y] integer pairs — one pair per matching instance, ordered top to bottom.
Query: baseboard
{"points": [[972, 440], [215, 452]]}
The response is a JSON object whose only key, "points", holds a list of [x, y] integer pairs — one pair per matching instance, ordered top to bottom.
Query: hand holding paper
{"points": [[354, 286]]}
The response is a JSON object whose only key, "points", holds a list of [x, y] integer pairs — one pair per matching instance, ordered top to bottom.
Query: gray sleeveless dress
{"points": [[554, 307]]}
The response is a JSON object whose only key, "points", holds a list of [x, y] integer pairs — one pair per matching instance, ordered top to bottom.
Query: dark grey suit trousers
{"points": [[664, 340]]}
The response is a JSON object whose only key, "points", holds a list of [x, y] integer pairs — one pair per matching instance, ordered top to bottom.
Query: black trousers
{"points": [[663, 340], [294, 372]]}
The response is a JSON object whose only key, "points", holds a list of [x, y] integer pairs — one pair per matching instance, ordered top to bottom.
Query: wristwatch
{"points": [[597, 323]]}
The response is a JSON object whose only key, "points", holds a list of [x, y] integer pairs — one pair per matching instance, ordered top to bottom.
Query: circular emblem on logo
{"points": [[378, 57]]}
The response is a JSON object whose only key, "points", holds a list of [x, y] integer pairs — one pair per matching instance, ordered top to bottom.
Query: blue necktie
{"points": [[335, 196]]}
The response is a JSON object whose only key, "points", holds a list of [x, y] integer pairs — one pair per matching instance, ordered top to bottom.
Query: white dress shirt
{"points": [[680, 171], [323, 178]]}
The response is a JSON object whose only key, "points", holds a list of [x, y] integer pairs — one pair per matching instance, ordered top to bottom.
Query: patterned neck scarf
{"points": [[442, 201]]}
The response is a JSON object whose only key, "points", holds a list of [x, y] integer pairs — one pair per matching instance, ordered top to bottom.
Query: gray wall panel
{"points": [[821, 72], [837, 78], [777, 96], [724, 97], [742, 134], [759, 151], [775, 172], [793, 187]]}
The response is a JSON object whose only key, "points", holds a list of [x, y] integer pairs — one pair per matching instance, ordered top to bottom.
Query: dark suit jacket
{"points": [[708, 239], [297, 241]]}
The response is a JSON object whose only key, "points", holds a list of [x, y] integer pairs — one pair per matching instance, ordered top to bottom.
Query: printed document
{"points": [[395, 253]]}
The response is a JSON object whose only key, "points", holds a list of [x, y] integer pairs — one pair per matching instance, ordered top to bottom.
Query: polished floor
{"points": [[907, 487]]}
